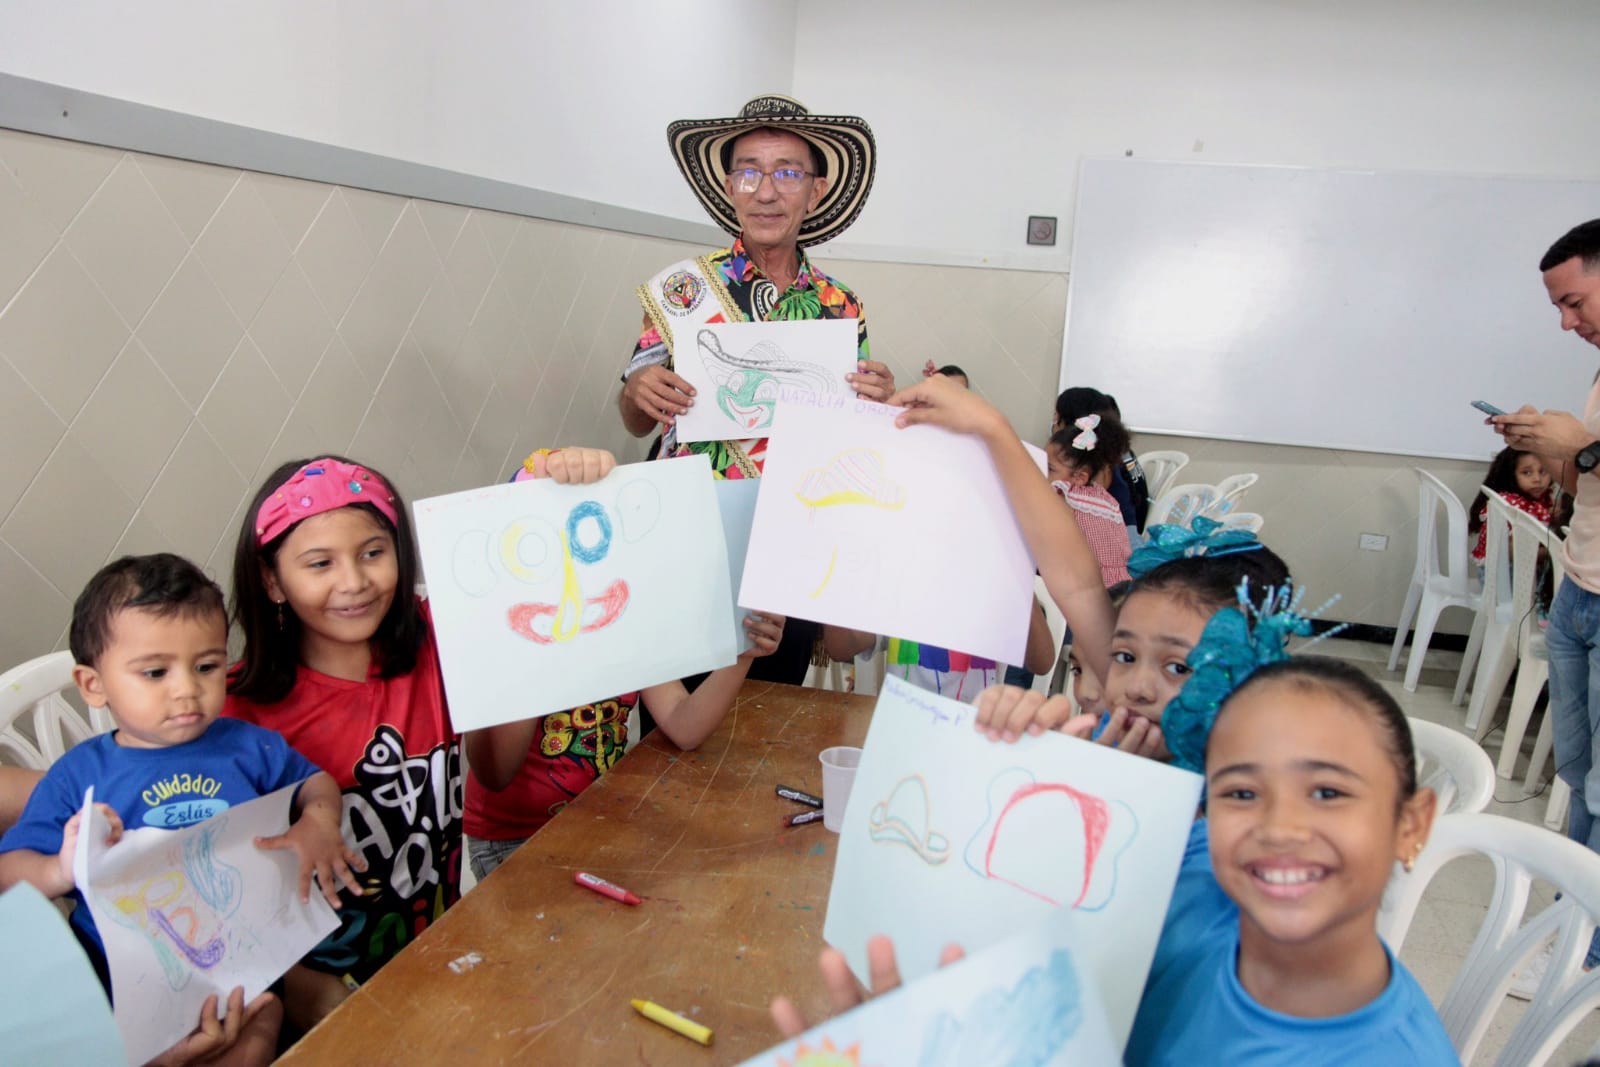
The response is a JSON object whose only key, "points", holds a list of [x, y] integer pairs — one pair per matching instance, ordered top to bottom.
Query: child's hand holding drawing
{"points": [[938, 401], [579, 466], [765, 630], [1006, 712], [316, 838], [69, 847], [844, 992], [249, 1031]]}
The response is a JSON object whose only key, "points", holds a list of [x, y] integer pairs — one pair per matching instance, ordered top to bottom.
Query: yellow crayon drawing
{"points": [[854, 476]]}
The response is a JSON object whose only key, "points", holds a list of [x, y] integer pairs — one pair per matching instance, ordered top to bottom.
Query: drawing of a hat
{"points": [[854, 476], [902, 818], [1088, 835]]}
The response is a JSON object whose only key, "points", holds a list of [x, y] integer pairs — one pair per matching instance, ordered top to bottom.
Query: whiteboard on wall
{"points": [[1332, 309]]}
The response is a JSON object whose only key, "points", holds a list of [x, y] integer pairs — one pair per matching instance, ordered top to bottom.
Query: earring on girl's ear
{"points": [[280, 615], [1410, 862]]}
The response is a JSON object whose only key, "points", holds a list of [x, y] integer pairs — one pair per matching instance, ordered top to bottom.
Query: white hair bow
{"points": [[1086, 440]]}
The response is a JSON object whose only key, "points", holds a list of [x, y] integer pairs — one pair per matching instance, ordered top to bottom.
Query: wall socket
{"points": [[1371, 542]]}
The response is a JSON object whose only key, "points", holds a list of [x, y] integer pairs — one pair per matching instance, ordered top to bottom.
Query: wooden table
{"points": [[732, 913]]}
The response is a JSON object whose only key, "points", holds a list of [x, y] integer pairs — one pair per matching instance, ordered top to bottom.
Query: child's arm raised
{"points": [[1065, 561], [1040, 657], [689, 718], [315, 837], [52, 875]]}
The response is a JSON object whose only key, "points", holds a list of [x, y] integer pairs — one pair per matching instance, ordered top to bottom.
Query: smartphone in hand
{"points": [[1487, 408]]}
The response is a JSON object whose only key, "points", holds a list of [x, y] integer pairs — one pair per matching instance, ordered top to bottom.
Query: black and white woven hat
{"points": [[844, 148]]}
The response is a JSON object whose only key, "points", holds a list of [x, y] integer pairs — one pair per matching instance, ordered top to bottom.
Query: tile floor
{"points": [[1454, 905]]}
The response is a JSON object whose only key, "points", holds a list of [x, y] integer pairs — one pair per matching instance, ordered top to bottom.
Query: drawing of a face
{"points": [[749, 398], [586, 539]]}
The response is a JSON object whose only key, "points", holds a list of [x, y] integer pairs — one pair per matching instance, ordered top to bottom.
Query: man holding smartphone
{"points": [[1570, 449]]}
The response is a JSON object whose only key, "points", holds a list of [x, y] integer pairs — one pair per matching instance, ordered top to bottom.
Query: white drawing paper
{"points": [[742, 371], [736, 502], [904, 532], [547, 596], [951, 837], [187, 913], [1025, 1002], [52, 1009]]}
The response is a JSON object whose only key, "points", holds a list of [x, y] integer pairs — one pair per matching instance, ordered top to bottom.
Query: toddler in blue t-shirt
{"points": [[149, 636]]}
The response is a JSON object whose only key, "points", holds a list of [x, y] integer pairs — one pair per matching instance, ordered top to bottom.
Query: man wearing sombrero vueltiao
{"points": [[778, 178]]}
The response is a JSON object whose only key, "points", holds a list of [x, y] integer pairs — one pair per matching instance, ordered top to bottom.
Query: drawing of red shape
{"points": [[610, 604], [1033, 811]]}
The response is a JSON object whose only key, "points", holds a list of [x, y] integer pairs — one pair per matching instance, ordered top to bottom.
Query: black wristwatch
{"points": [[1587, 458]]}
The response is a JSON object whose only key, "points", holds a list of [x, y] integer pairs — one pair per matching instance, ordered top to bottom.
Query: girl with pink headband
{"points": [[339, 658]]}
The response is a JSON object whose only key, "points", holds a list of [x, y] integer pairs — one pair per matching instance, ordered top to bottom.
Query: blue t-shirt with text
{"points": [[169, 788]]}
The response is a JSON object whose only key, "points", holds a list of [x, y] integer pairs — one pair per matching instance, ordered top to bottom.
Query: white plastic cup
{"points": [[838, 776]]}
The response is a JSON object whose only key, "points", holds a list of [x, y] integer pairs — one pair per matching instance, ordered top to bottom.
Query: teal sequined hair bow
{"points": [[1202, 537], [1237, 642]]}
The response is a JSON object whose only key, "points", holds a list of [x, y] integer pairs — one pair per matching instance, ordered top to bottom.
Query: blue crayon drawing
{"points": [[1024, 1026]]}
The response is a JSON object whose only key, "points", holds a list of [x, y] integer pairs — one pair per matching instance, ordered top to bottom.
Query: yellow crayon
{"points": [[673, 1021]]}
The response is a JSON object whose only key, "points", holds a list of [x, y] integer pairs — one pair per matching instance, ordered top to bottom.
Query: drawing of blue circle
{"points": [[589, 553]]}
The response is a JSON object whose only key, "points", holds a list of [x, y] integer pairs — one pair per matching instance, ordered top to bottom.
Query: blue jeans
{"points": [[1573, 640], [485, 856]]}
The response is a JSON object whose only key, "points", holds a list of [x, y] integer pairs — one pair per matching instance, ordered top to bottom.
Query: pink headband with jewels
{"points": [[322, 485]]}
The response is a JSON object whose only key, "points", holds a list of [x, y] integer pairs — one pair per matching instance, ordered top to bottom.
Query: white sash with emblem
{"points": [[686, 296]]}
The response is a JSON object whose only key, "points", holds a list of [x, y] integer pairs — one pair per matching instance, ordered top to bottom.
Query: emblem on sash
{"points": [[681, 292]]}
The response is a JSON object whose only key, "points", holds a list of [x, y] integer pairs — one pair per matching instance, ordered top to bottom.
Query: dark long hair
{"points": [[1111, 444], [1502, 478], [1211, 583], [266, 672], [1355, 689]]}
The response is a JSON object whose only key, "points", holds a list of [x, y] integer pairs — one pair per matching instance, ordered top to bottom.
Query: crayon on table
{"points": [[799, 796], [803, 818], [604, 888], [673, 1021]]}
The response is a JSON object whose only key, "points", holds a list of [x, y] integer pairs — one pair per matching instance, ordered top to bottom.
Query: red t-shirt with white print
{"points": [[389, 744]]}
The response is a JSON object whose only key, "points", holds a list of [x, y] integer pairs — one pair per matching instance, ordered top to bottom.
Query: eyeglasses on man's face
{"points": [[747, 180]]}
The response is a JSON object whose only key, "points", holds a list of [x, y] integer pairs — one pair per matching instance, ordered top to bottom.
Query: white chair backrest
{"points": [[1161, 469], [1230, 491], [1433, 496], [1179, 505], [1243, 520], [1528, 536], [1516, 576], [1058, 631], [32, 691], [1453, 765], [1520, 853]]}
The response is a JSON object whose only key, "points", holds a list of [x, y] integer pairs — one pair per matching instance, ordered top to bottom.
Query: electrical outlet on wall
{"points": [[1371, 542]]}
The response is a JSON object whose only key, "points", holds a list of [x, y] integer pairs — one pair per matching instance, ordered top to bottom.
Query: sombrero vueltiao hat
{"points": [[844, 148]]}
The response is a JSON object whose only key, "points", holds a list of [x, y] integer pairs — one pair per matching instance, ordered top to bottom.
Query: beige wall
{"points": [[170, 331]]}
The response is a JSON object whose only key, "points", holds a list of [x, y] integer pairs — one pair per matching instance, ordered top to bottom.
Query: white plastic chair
{"points": [[1161, 469], [1230, 491], [1180, 504], [1243, 520], [1528, 536], [1436, 584], [1505, 623], [1058, 632], [31, 691], [1453, 765], [1520, 853]]}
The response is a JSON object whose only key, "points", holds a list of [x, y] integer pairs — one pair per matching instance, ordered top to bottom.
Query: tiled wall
{"points": [[170, 331]]}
